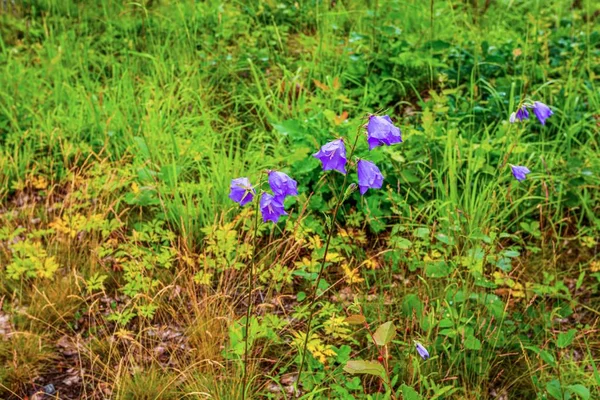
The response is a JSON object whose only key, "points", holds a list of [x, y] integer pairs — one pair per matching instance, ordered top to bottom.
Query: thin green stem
{"points": [[250, 290], [313, 295]]}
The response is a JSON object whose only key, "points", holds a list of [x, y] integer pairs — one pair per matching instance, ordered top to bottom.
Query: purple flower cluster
{"points": [[541, 111], [380, 131], [333, 156], [519, 172], [241, 191], [271, 205], [422, 351]]}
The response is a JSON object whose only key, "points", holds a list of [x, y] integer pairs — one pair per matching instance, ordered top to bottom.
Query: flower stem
{"points": [[250, 272], [313, 295]]}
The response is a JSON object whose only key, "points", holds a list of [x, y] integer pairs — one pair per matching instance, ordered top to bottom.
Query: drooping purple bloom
{"points": [[541, 111], [520, 115], [381, 131], [333, 156], [519, 172], [369, 176], [282, 185], [241, 191], [271, 207], [422, 351]]}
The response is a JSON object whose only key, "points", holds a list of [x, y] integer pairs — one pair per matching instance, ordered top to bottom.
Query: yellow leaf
{"points": [[336, 83], [321, 85], [339, 119], [39, 182], [334, 257], [371, 263], [351, 275], [356, 319]]}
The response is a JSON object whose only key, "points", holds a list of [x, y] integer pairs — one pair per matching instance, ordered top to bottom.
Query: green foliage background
{"points": [[137, 115]]}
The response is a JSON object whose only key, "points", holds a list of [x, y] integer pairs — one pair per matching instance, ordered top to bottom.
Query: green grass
{"points": [[123, 123]]}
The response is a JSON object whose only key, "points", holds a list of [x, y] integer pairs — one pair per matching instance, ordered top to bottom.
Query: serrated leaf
{"points": [[437, 269], [355, 319], [385, 333], [566, 338], [472, 343], [365, 367], [408, 393]]}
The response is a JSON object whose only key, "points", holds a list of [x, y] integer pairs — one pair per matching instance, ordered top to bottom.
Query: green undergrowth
{"points": [[123, 261]]}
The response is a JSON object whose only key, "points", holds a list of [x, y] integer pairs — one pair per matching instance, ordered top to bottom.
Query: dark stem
{"points": [[250, 290], [313, 295]]}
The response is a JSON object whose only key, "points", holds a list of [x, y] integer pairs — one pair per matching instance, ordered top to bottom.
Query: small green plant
{"points": [[148, 384]]}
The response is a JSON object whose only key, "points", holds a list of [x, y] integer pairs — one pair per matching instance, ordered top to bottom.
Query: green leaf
{"points": [[291, 128], [421, 232], [445, 239], [402, 243], [437, 269], [410, 304], [385, 333], [566, 338], [472, 343], [546, 356], [365, 367], [553, 388], [580, 391], [408, 393]]}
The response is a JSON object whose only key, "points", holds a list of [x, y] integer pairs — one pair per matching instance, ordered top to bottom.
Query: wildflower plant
{"points": [[540, 110], [542, 113], [380, 131], [271, 206]]}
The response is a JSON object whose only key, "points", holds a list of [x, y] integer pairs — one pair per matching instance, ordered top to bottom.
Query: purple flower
{"points": [[541, 111], [520, 115], [381, 130], [333, 156], [519, 172], [369, 176], [282, 185], [241, 191], [271, 207], [422, 351]]}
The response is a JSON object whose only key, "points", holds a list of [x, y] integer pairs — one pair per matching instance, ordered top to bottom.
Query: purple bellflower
{"points": [[541, 111], [520, 115], [381, 131], [333, 156], [519, 172], [369, 176], [282, 185], [241, 191], [271, 207], [422, 351]]}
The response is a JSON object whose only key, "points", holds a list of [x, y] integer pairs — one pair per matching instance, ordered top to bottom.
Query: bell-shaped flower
{"points": [[541, 111], [520, 115], [381, 131], [333, 156], [519, 172], [369, 176], [282, 185], [241, 191], [271, 207], [422, 351]]}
